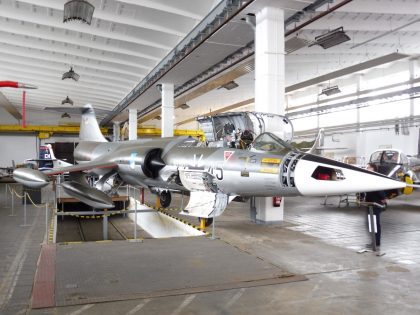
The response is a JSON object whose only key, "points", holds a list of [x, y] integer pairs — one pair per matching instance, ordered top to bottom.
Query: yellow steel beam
{"points": [[44, 132]]}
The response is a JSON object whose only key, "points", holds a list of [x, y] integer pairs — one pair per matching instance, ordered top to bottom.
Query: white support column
{"points": [[412, 73], [269, 86], [359, 87], [167, 110], [132, 124], [116, 131]]}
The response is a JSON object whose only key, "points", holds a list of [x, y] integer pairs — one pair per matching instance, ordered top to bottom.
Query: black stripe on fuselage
{"points": [[320, 159]]}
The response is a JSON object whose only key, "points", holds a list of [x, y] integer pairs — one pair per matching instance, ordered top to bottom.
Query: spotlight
{"points": [[78, 10], [331, 38], [71, 75], [230, 85], [330, 90], [67, 100], [184, 106], [65, 115], [158, 118]]}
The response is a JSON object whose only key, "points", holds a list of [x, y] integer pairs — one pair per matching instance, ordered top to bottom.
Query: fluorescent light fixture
{"points": [[80, 10], [331, 38], [295, 43], [71, 75], [230, 85], [331, 90], [67, 100], [184, 106], [66, 115]]}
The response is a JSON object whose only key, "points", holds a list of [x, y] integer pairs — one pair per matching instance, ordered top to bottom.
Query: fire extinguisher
{"points": [[276, 201]]}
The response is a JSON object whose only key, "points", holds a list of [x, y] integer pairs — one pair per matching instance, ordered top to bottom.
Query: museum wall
{"points": [[17, 148]]}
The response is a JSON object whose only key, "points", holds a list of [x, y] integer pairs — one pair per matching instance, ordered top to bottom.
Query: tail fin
{"points": [[89, 127], [318, 144], [45, 157]]}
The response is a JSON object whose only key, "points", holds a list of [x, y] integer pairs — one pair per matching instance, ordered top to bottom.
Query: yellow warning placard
{"points": [[271, 160]]}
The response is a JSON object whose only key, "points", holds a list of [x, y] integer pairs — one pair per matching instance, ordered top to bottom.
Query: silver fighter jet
{"points": [[213, 176]]}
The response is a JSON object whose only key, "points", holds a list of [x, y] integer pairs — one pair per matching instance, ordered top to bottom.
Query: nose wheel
{"points": [[165, 199]]}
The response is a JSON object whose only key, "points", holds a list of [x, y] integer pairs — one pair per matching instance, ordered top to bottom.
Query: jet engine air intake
{"points": [[153, 163]]}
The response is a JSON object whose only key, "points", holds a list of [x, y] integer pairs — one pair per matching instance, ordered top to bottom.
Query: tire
{"points": [[165, 199]]}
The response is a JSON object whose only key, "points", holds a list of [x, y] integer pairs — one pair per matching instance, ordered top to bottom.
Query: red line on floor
{"points": [[44, 284]]}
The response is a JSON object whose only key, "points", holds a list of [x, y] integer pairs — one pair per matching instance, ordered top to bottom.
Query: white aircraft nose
{"points": [[318, 176]]}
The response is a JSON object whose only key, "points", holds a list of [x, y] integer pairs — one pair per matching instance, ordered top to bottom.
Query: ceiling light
{"points": [[78, 10], [331, 38], [295, 43], [71, 75], [230, 85], [330, 90], [67, 100], [184, 106], [65, 115], [158, 118]]}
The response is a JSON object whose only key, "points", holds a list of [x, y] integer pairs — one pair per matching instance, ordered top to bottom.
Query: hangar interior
{"points": [[342, 76]]}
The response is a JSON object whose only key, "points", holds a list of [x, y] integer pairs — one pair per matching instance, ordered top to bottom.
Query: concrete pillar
{"points": [[412, 74], [269, 86], [359, 87], [167, 110], [132, 124], [116, 131]]}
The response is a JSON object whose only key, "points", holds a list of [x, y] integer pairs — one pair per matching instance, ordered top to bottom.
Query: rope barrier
{"points": [[13, 191]]}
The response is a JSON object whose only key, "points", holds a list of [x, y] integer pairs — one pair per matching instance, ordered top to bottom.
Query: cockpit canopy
{"points": [[269, 142], [388, 157]]}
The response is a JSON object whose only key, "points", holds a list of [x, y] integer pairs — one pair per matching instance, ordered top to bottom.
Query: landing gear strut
{"points": [[165, 199], [205, 222]]}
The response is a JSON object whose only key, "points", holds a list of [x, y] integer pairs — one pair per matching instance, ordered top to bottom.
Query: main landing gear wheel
{"points": [[165, 199], [208, 221]]}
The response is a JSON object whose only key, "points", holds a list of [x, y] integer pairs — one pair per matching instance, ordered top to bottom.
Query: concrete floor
{"points": [[316, 241]]}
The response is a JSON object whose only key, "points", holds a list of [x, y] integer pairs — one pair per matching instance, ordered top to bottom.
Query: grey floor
{"points": [[320, 242]]}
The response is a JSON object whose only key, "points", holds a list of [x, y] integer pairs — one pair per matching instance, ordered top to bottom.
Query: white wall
{"points": [[364, 143], [17, 148]]}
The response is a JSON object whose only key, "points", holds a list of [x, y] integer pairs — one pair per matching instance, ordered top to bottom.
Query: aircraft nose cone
{"points": [[318, 176]]}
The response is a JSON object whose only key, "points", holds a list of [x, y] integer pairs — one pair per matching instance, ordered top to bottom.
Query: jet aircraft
{"points": [[396, 164], [212, 176]]}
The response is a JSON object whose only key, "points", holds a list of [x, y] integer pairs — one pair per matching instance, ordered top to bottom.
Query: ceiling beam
{"points": [[152, 4], [382, 7], [16, 14], [115, 18], [27, 29], [72, 50], [60, 58], [346, 71], [88, 74], [85, 80], [63, 86]]}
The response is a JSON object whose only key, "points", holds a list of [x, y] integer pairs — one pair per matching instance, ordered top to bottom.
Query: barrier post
{"points": [[6, 187], [13, 205], [24, 210], [135, 216]]}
